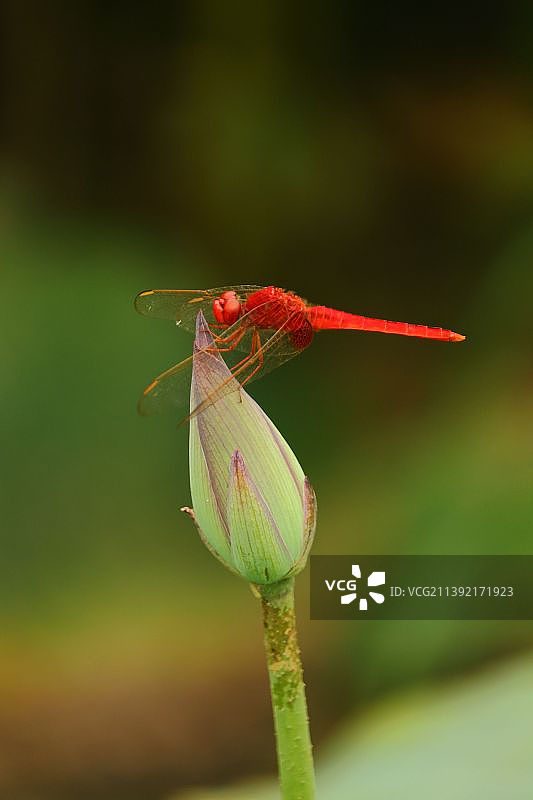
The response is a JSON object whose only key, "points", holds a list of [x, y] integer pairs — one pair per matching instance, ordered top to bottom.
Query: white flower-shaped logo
{"points": [[374, 579]]}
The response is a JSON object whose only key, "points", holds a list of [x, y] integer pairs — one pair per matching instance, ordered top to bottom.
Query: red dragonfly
{"points": [[267, 324]]}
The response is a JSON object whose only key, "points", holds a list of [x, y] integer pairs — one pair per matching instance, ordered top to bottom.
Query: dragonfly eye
{"points": [[227, 308]]}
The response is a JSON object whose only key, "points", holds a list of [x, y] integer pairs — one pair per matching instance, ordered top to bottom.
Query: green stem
{"points": [[293, 741]]}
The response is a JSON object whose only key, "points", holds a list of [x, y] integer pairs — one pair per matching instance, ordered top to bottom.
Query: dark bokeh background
{"points": [[371, 158]]}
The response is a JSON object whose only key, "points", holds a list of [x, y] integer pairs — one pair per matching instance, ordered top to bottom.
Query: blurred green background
{"points": [[371, 157]]}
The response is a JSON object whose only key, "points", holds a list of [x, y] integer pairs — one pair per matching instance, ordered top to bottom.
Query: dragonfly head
{"points": [[227, 308]]}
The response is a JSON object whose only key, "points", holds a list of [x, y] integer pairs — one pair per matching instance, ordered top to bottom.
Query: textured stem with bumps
{"points": [[293, 741]]}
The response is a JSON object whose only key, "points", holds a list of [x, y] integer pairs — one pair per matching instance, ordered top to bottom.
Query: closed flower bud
{"points": [[253, 506]]}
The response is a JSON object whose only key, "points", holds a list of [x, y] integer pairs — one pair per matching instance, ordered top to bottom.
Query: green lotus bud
{"points": [[253, 506]]}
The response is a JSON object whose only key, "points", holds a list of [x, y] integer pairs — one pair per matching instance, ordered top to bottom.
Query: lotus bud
{"points": [[253, 506]]}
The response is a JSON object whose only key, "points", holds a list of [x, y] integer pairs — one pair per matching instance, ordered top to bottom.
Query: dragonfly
{"points": [[256, 328]]}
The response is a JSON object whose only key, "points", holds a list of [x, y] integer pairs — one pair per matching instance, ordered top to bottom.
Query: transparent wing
{"points": [[182, 305], [276, 347], [265, 350], [269, 350], [170, 390]]}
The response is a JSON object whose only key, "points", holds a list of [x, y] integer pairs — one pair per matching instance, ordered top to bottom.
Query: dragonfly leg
{"points": [[223, 339], [255, 339], [233, 340], [256, 342], [256, 348]]}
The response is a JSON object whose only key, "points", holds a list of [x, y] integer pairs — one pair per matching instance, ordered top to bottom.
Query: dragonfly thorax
{"points": [[227, 308]]}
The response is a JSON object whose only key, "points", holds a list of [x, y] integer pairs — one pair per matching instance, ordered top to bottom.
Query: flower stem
{"points": [[293, 741]]}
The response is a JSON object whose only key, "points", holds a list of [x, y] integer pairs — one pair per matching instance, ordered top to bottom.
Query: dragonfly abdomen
{"points": [[323, 318]]}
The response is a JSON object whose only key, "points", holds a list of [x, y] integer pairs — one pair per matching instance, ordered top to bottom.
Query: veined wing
{"points": [[182, 305], [265, 350], [269, 350], [170, 389]]}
